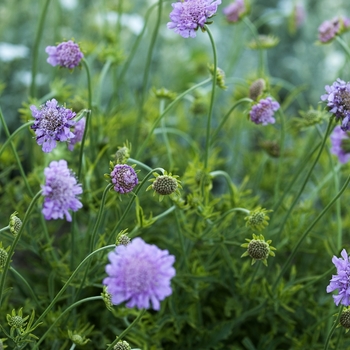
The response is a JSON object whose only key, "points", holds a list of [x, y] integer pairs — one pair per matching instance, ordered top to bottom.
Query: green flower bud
{"points": [[256, 89], [165, 185], [257, 219], [15, 223], [258, 249], [345, 319], [122, 345]]}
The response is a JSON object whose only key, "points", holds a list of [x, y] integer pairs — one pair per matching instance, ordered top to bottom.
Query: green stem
{"points": [[343, 45], [36, 47], [104, 72], [146, 74], [212, 97], [166, 110], [224, 119], [165, 136], [9, 139], [81, 152], [280, 159], [142, 165], [307, 177], [228, 181], [14, 243], [291, 256], [56, 298], [64, 313], [132, 324], [335, 324]]}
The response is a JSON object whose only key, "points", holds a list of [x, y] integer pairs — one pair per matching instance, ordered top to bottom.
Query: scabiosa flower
{"points": [[235, 11], [188, 15], [328, 30], [66, 54], [256, 89], [338, 102], [262, 113], [52, 123], [78, 132], [340, 144], [123, 177], [165, 184], [60, 191], [257, 219], [15, 223], [258, 249], [3, 255], [139, 273], [340, 281], [344, 320], [122, 345]]}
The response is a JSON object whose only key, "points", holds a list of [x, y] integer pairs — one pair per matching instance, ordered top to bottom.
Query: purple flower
{"points": [[234, 11], [188, 15], [328, 30], [66, 54], [338, 101], [262, 113], [52, 123], [78, 131], [337, 137], [124, 178], [60, 191], [139, 273], [340, 281]]}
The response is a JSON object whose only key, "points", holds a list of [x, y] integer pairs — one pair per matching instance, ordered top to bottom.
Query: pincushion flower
{"points": [[235, 11], [188, 15], [329, 29], [66, 54], [338, 101], [263, 111], [52, 123], [78, 131], [340, 144], [124, 178], [60, 191], [139, 274], [341, 280]]}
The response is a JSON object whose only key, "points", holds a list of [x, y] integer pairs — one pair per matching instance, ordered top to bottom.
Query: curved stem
{"points": [[343, 45], [36, 47], [146, 74], [212, 97], [166, 110], [224, 119], [142, 165], [228, 181], [14, 243], [291, 256], [62, 314], [132, 324], [335, 324]]}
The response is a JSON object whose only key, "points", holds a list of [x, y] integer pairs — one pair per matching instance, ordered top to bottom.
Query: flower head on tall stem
{"points": [[235, 11], [189, 15], [329, 29], [66, 54], [263, 111], [52, 123], [78, 132], [340, 144], [123, 177], [165, 185], [60, 191], [258, 249], [139, 274], [341, 280]]}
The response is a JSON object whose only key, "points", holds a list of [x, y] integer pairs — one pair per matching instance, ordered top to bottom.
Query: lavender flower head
{"points": [[234, 11], [188, 15], [328, 30], [66, 54], [338, 101], [262, 113], [52, 123], [78, 131], [337, 139], [124, 178], [60, 191], [139, 273], [341, 281]]}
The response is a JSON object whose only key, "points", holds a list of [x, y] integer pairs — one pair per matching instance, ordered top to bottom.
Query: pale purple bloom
{"points": [[234, 11], [300, 14], [188, 15], [328, 30], [66, 54], [338, 101], [262, 113], [52, 123], [78, 131], [337, 137], [124, 178], [60, 191], [139, 274], [341, 280]]}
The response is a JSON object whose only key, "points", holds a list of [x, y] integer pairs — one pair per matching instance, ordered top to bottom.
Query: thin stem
{"points": [[343, 45], [36, 47], [146, 74], [212, 97], [166, 110], [224, 119], [165, 136], [81, 152], [280, 159], [307, 177], [228, 181], [301, 239], [14, 243], [58, 295], [64, 313], [132, 324], [335, 324]]}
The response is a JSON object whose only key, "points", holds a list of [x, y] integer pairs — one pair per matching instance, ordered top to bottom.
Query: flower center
{"points": [[345, 99], [51, 121]]}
